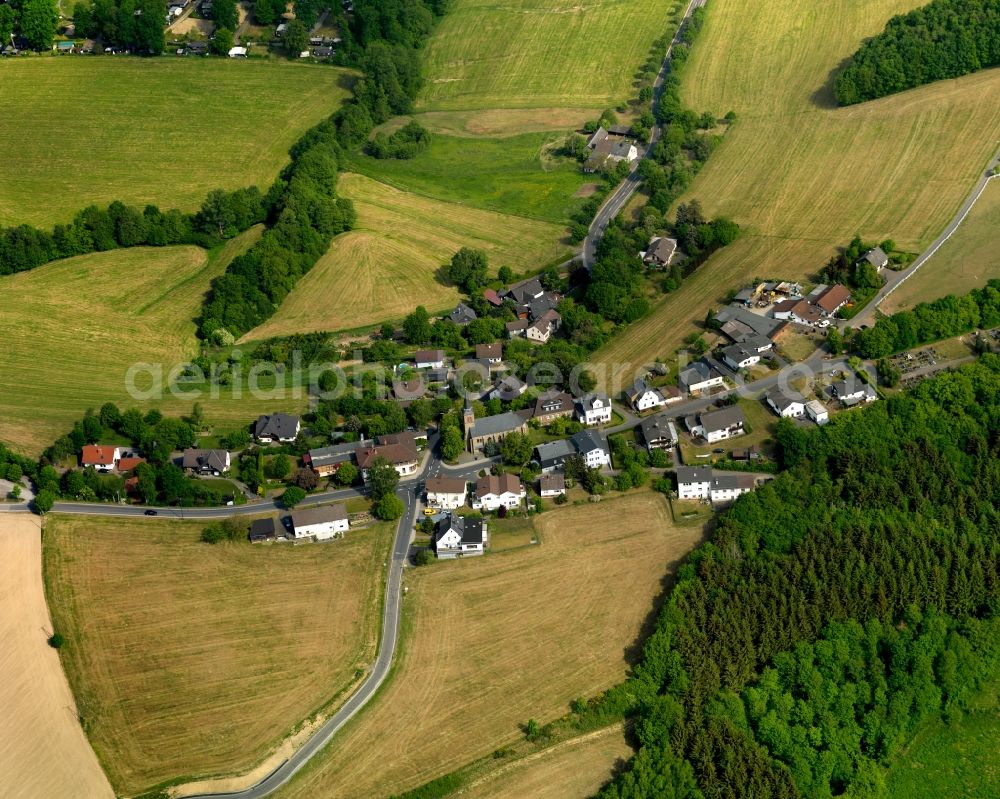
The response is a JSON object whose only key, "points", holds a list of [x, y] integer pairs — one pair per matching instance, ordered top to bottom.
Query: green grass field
{"points": [[540, 53], [77, 131], [512, 175], [801, 176], [966, 261], [388, 265], [72, 329], [958, 761]]}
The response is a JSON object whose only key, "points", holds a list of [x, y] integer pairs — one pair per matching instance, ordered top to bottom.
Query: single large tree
{"points": [[38, 23], [296, 39], [382, 478]]}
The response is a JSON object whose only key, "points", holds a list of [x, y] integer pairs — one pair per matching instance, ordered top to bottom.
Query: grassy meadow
{"points": [[539, 53], [81, 131], [512, 175], [801, 176], [966, 261], [389, 264], [78, 325], [188, 658], [470, 669], [955, 760]]}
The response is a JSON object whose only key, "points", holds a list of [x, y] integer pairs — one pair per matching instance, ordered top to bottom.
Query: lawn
{"points": [[540, 53], [79, 131], [513, 175], [801, 176], [966, 261], [390, 263], [77, 326], [490, 642], [187, 658], [957, 760]]}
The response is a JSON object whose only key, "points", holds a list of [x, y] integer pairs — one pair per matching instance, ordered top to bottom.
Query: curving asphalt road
{"points": [[621, 195], [866, 316]]}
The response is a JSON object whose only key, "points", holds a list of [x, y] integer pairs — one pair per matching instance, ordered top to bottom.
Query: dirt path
{"points": [[43, 751]]}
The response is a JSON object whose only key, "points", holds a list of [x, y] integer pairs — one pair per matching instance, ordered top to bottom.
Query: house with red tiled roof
{"points": [[103, 457]]}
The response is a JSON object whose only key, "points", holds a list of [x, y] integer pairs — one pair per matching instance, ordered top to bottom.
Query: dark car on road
{"points": [[150, 512]]}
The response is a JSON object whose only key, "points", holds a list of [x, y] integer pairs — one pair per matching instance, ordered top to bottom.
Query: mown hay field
{"points": [[540, 53], [82, 131], [801, 176], [966, 261], [391, 262], [73, 328], [491, 642], [195, 659], [43, 750], [576, 768]]}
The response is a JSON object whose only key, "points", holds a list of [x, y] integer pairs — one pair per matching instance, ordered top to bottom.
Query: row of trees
{"points": [[34, 21], [381, 39], [944, 39], [222, 215], [931, 321], [880, 517]]}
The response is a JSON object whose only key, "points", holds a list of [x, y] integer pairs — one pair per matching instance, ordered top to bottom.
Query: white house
{"points": [[490, 353], [738, 356], [428, 359], [699, 377], [853, 392], [643, 397], [787, 404], [593, 409], [817, 411], [718, 425], [277, 427], [658, 432], [592, 445], [400, 450], [103, 458], [206, 461], [693, 483], [702, 483], [551, 485], [726, 487], [494, 491], [446, 492], [323, 523], [459, 537]]}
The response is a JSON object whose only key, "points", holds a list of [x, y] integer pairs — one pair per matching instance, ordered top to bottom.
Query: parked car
{"points": [[150, 512]]}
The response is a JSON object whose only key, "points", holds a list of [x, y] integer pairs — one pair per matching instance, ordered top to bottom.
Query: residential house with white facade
{"points": [[700, 376], [643, 397], [786, 403], [593, 409], [717, 425], [280, 427], [658, 432], [592, 446], [101, 457], [551, 485], [495, 491], [447, 493], [322, 523], [460, 537]]}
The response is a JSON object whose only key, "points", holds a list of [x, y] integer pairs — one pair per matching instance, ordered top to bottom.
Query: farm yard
{"points": [[539, 53], [149, 130], [801, 176], [966, 261], [389, 263], [79, 324], [495, 654], [188, 658], [43, 750]]}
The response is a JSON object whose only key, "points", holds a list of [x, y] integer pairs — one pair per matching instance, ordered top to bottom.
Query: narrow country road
{"points": [[621, 195], [866, 316]]}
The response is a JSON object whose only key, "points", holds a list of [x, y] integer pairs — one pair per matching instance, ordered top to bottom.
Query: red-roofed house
{"points": [[492, 298], [833, 299], [102, 457], [129, 463]]}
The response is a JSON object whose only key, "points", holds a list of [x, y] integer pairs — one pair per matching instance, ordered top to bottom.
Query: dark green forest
{"points": [[945, 39], [834, 609]]}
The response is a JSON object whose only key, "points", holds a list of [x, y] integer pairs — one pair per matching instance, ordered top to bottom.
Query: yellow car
{"points": [[429, 511]]}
